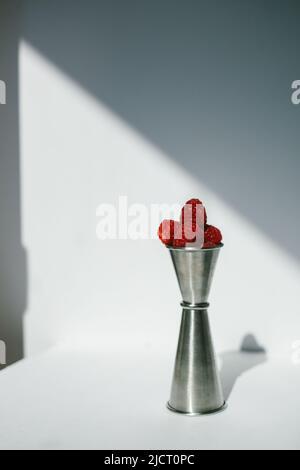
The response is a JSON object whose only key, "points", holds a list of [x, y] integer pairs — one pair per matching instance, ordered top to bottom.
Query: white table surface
{"points": [[69, 398]]}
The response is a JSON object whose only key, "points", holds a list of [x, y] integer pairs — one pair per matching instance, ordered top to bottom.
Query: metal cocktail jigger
{"points": [[196, 387]]}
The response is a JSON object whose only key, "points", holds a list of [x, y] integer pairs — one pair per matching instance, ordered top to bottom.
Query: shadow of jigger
{"points": [[196, 387]]}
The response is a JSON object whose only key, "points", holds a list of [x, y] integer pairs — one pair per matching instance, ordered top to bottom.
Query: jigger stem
{"points": [[196, 387]]}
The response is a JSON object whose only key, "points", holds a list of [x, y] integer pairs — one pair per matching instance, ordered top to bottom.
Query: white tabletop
{"points": [[69, 398]]}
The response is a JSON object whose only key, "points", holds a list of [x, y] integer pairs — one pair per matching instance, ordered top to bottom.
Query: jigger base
{"points": [[196, 386], [212, 412]]}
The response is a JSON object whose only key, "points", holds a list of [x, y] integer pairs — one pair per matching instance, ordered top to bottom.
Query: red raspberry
{"points": [[194, 201], [193, 216], [166, 231], [170, 231], [212, 235], [193, 238], [178, 240], [178, 243], [208, 245]]}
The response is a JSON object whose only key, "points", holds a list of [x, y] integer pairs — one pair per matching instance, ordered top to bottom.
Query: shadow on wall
{"points": [[208, 81], [13, 283], [236, 363]]}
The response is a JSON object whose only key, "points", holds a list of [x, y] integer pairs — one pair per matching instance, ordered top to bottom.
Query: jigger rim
{"points": [[192, 248]]}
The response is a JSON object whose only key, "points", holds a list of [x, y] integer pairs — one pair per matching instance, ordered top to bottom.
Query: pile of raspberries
{"points": [[191, 230]]}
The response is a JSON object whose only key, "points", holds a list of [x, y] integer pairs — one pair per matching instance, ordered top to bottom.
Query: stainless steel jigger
{"points": [[196, 387]]}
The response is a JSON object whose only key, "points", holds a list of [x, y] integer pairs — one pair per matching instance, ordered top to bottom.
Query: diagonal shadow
{"points": [[207, 81], [236, 363]]}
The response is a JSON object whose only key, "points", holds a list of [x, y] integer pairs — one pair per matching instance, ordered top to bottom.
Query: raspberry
{"points": [[194, 201], [199, 211], [193, 215], [166, 231], [170, 231], [212, 235], [193, 237], [178, 240], [178, 243], [208, 245]]}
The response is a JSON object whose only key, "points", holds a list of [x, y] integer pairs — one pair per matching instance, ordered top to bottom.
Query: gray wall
{"points": [[208, 81], [12, 255]]}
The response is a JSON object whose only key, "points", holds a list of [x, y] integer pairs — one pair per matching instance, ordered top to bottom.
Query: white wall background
{"points": [[76, 154]]}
